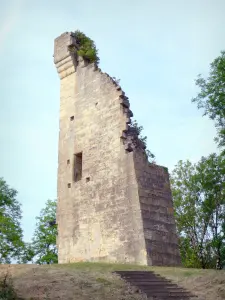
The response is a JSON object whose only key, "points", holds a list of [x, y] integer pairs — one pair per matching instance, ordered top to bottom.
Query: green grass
{"points": [[99, 266], [109, 267], [176, 274], [97, 281], [103, 281], [7, 291]]}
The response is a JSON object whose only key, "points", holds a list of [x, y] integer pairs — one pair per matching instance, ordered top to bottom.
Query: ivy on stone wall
{"points": [[87, 47]]}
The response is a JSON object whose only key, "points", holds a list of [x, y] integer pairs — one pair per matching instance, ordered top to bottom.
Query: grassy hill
{"points": [[95, 281]]}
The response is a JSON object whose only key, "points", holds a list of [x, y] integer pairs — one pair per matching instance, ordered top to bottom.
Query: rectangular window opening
{"points": [[77, 166]]}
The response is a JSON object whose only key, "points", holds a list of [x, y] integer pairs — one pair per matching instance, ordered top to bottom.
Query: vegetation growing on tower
{"points": [[87, 47], [87, 50], [143, 139]]}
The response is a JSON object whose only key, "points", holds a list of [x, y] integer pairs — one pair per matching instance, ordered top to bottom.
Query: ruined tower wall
{"points": [[120, 208], [157, 212], [98, 216]]}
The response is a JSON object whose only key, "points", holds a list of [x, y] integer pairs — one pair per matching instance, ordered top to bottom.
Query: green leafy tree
{"points": [[211, 97], [211, 182], [198, 193], [187, 212], [11, 234], [223, 245], [43, 247], [26, 254], [189, 254]]}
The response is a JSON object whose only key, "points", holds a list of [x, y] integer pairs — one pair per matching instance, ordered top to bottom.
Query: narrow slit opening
{"points": [[77, 166]]}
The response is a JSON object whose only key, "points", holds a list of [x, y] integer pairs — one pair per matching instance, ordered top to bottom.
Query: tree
{"points": [[212, 96], [211, 180], [199, 202], [187, 211], [11, 234], [43, 244], [223, 245], [26, 254]]}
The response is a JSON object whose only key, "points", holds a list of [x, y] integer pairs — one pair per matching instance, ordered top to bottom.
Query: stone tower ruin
{"points": [[113, 205]]}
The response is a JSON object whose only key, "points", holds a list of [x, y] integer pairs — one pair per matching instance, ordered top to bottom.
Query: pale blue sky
{"points": [[156, 48]]}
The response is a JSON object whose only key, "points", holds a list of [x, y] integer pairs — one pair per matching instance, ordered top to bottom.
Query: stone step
{"points": [[132, 273], [141, 275], [146, 277], [150, 283], [157, 284], [154, 286], [160, 288], [165, 293], [159, 294], [169, 298]]}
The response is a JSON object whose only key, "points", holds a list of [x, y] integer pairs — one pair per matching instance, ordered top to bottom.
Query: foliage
{"points": [[87, 47], [116, 80], [212, 96], [143, 139], [211, 181], [199, 202], [186, 210], [11, 236], [223, 245], [43, 247], [26, 254], [189, 257], [7, 291]]}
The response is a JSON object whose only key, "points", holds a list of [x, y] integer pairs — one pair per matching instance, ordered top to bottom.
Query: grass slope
{"points": [[95, 281]]}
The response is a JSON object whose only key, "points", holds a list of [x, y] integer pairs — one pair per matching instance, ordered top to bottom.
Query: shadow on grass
{"points": [[7, 291]]}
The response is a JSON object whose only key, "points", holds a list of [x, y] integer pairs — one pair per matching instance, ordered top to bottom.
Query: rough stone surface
{"points": [[121, 208]]}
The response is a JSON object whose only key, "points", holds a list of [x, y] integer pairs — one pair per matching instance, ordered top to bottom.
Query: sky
{"points": [[156, 48]]}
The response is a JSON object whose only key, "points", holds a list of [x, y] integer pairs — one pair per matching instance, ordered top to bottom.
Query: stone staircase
{"points": [[155, 286]]}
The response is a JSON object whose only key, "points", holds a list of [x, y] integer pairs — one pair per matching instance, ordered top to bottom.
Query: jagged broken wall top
{"points": [[66, 60]]}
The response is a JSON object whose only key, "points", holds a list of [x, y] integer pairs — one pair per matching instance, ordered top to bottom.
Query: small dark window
{"points": [[71, 118], [68, 161], [78, 166], [87, 179], [69, 185]]}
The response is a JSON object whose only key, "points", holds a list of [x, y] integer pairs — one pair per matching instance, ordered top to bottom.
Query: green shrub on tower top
{"points": [[87, 48]]}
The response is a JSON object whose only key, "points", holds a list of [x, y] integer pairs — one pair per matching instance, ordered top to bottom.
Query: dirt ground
{"points": [[95, 281]]}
